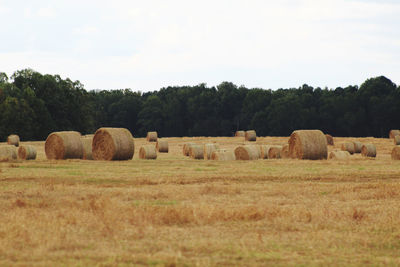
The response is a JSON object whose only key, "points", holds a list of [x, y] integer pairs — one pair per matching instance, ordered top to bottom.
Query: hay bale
{"points": [[394, 133], [240, 134], [250, 135], [151, 137], [13, 139], [329, 140], [397, 140], [113, 144], [308, 144], [64, 145], [162, 146], [348, 146], [357, 146], [87, 147], [186, 148], [209, 149], [368, 150], [264, 151], [8, 152], [27, 152], [148, 152], [196, 152], [247, 152], [275, 152], [285, 152], [396, 153], [223, 155], [339, 155]]}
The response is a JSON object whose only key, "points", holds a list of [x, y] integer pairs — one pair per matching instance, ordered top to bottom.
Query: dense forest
{"points": [[32, 105]]}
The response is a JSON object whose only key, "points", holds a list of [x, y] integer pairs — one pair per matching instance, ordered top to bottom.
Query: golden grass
{"points": [[176, 211]]}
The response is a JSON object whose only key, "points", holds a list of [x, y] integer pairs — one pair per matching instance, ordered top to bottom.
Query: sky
{"points": [[147, 45]]}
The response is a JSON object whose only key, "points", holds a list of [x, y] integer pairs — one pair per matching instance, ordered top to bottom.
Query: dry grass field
{"points": [[175, 211]]}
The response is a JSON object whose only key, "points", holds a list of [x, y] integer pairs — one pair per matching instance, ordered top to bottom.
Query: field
{"points": [[175, 211]]}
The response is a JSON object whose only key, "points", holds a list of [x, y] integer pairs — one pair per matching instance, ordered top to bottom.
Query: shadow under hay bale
{"points": [[13, 139], [113, 144], [308, 144], [64, 145], [162, 146], [27, 152], [148, 152], [339, 155]]}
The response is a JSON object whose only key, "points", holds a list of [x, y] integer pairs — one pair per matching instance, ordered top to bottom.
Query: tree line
{"points": [[33, 105]]}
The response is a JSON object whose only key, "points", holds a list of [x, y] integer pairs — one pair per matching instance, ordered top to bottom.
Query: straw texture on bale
{"points": [[393, 133], [240, 134], [250, 135], [152, 137], [13, 140], [329, 140], [397, 140], [113, 144], [308, 144], [64, 145], [162, 146], [357, 146], [87, 147], [349, 147], [186, 148], [209, 149], [368, 150], [264, 151], [8, 152], [27, 152], [148, 152], [196, 152], [247, 152], [275, 152], [285, 152], [396, 153], [223, 155], [339, 155]]}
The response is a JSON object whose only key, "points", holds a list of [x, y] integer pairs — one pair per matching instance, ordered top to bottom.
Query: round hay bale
{"points": [[394, 133], [240, 134], [250, 135], [151, 137], [13, 140], [329, 140], [397, 140], [113, 144], [308, 144], [64, 145], [162, 146], [348, 146], [357, 146], [87, 147], [186, 148], [209, 149], [368, 150], [264, 151], [8, 152], [27, 152], [148, 152], [196, 152], [247, 152], [275, 152], [285, 152], [396, 153], [223, 155], [339, 155]]}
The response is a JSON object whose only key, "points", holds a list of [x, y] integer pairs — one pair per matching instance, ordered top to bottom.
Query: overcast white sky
{"points": [[146, 45]]}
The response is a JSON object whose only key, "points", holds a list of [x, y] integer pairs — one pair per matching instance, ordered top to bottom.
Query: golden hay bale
{"points": [[393, 133], [240, 134], [250, 135], [151, 137], [13, 140], [329, 140], [397, 140], [113, 144], [308, 144], [64, 145], [162, 146], [348, 146], [357, 146], [87, 147], [186, 148], [209, 149], [368, 150], [264, 151], [8, 152], [27, 152], [148, 152], [196, 152], [247, 152], [275, 152], [285, 152], [396, 153], [223, 155], [339, 155]]}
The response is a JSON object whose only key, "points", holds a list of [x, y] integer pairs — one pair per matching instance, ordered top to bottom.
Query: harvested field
{"points": [[178, 211]]}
